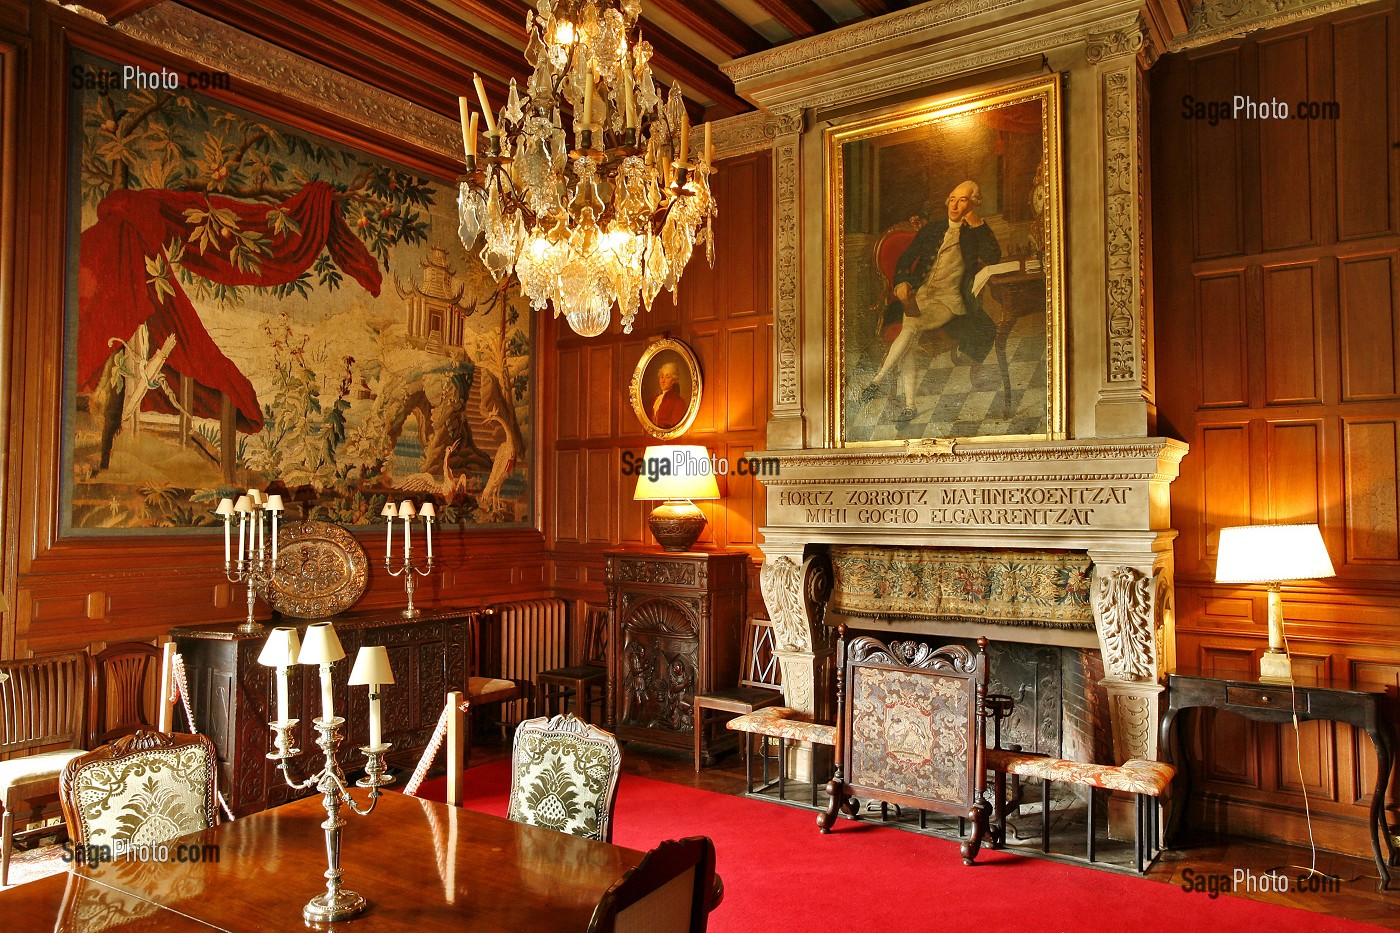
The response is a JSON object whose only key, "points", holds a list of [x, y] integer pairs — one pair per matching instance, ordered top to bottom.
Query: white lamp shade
{"points": [[677, 471], [244, 504], [273, 504], [225, 507], [406, 509], [428, 510], [389, 511], [1271, 554], [321, 644], [281, 648], [372, 667]]}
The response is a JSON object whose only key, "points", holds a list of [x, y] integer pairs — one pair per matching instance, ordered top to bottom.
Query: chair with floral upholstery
{"points": [[564, 776], [142, 789]]}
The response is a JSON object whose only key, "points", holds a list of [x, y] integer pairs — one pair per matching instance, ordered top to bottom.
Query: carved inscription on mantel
{"points": [[987, 505]]}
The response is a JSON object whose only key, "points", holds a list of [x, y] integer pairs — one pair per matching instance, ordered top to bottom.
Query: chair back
{"points": [[594, 649], [761, 668], [123, 691], [43, 703], [564, 776], [142, 789], [669, 891]]}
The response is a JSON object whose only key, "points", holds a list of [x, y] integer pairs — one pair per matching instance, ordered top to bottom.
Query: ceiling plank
{"points": [[873, 8], [504, 15], [802, 18], [420, 21], [716, 25]]}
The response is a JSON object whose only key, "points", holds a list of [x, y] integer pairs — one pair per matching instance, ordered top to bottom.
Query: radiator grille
{"points": [[534, 638]]}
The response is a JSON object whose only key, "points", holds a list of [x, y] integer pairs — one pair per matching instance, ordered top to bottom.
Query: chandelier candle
{"points": [[604, 222]]}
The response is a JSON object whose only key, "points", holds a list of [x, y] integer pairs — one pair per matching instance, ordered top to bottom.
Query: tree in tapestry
{"points": [[253, 306]]}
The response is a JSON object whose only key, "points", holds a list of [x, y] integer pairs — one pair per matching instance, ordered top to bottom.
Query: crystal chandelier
{"points": [[611, 220]]}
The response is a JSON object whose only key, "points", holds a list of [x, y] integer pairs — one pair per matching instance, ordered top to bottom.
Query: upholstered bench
{"points": [[783, 724], [1142, 779]]}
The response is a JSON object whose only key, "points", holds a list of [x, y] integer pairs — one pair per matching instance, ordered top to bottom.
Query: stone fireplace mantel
{"points": [[1106, 498]]}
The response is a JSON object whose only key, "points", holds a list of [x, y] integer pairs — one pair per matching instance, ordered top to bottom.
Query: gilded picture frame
{"points": [[944, 227], [665, 389]]}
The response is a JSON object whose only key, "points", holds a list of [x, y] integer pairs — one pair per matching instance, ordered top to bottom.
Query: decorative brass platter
{"points": [[321, 570]]}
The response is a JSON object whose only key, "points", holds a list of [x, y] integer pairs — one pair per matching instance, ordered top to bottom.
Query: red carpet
{"points": [[879, 879]]}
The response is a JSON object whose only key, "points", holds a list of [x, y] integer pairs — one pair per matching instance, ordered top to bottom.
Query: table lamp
{"points": [[677, 474], [1272, 554]]}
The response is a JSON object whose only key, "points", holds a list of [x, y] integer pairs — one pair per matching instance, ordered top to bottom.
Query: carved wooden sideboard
{"points": [[677, 619], [233, 696]]}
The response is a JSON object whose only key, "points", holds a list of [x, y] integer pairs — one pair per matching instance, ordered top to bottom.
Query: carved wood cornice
{"points": [[1217, 20], [224, 48], [755, 131], [1164, 450]]}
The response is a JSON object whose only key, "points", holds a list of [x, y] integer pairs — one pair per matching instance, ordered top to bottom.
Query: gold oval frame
{"points": [[634, 391]]}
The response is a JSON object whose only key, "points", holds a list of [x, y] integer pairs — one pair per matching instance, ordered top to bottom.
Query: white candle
{"points": [[588, 102], [630, 103], [485, 105], [464, 109], [471, 138], [709, 146], [683, 156], [429, 512], [242, 525], [389, 531], [228, 535], [274, 537], [407, 541], [262, 543], [281, 693], [327, 709], [376, 729]]}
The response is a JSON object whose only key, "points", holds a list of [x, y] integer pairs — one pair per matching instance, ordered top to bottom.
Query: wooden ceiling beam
{"points": [[873, 8], [114, 11], [504, 15], [802, 18], [425, 23], [716, 25], [692, 70], [412, 77]]}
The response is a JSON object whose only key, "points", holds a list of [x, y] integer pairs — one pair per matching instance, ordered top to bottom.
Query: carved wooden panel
{"points": [[1361, 51], [1370, 327], [675, 626]]}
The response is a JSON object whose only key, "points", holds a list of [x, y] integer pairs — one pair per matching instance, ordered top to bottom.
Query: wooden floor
{"points": [[1357, 898]]}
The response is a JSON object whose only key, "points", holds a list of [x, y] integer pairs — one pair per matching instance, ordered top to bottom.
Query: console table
{"points": [[676, 622], [233, 696], [1365, 706]]}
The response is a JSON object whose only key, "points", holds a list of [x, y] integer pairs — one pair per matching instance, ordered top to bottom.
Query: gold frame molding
{"points": [[1045, 89], [634, 390]]}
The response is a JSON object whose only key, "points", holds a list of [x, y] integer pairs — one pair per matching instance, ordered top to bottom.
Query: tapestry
{"points": [[251, 306], [1044, 588], [910, 733]]}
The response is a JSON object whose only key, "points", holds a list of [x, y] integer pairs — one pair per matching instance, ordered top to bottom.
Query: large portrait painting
{"points": [[945, 269], [252, 306]]}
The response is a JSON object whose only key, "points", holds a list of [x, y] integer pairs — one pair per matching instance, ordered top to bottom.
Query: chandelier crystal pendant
{"points": [[612, 219]]}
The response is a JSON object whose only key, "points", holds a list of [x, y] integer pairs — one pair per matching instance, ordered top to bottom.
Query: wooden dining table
{"points": [[423, 866]]}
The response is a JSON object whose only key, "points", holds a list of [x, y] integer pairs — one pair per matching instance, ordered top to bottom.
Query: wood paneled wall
{"points": [[724, 315], [1278, 332], [87, 592]]}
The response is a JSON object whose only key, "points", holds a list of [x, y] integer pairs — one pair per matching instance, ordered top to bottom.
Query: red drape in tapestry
{"points": [[115, 295]]}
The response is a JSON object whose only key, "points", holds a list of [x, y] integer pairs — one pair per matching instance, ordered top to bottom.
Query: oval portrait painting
{"points": [[665, 389]]}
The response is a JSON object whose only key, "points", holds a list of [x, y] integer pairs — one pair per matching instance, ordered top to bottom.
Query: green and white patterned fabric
{"points": [[564, 776], [145, 794]]}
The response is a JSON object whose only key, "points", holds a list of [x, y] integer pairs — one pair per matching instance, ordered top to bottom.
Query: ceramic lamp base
{"points": [[676, 524], [1275, 668]]}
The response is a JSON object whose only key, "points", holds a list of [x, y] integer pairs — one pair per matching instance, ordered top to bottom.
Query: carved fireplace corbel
{"points": [[796, 596], [1133, 617]]}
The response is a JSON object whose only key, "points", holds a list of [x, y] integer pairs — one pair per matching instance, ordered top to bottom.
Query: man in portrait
{"points": [[933, 285], [669, 406]]}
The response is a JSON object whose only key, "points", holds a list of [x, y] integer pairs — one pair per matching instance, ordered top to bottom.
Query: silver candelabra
{"points": [[252, 564], [409, 567], [337, 903]]}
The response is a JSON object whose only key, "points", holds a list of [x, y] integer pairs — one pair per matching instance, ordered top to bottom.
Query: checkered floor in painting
{"points": [[959, 399]]}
